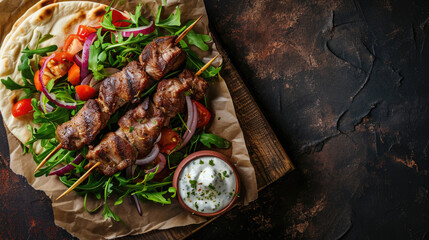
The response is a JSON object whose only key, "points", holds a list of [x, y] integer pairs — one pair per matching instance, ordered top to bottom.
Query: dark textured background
{"points": [[345, 86]]}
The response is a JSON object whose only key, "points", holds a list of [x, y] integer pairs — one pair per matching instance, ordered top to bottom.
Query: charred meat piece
{"points": [[161, 56], [197, 84], [124, 86], [170, 94], [83, 127], [142, 127], [139, 129], [114, 152]]}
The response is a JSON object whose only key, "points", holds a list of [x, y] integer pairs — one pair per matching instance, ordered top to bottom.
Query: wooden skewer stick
{"points": [[183, 34], [206, 66], [48, 157], [79, 181]]}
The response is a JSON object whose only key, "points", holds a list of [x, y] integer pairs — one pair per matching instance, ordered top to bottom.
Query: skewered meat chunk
{"points": [[161, 56], [124, 86], [118, 89], [170, 94], [83, 127], [142, 127], [139, 129], [114, 152]]}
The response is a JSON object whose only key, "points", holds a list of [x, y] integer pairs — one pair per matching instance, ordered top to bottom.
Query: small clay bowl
{"points": [[196, 155]]}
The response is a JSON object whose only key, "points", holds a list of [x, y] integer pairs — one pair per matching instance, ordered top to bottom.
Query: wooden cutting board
{"points": [[266, 153]]}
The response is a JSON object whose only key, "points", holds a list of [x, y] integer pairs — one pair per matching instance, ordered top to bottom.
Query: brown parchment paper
{"points": [[69, 212]]}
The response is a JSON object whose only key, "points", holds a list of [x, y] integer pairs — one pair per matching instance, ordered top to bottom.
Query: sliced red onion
{"points": [[135, 31], [85, 54], [77, 60], [111, 71], [86, 80], [50, 96], [145, 103], [48, 107], [190, 115], [192, 128], [159, 138], [150, 156], [160, 165], [67, 168], [129, 174], [136, 201]]}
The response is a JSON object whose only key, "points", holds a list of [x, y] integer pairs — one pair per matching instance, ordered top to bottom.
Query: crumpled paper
{"points": [[69, 212]]}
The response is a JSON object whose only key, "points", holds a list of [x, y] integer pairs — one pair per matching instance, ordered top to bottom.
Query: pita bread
{"points": [[58, 19]]}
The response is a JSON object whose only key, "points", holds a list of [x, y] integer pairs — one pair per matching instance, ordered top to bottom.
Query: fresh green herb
{"points": [[131, 128], [209, 139], [201, 161], [211, 162], [193, 183]]}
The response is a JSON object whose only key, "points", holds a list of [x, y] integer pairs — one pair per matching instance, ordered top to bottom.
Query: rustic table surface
{"points": [[344, 84]]}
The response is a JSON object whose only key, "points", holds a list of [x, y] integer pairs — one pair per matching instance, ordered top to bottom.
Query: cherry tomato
{"points": [[118, 17], [84, 31], [63, 57], [74, 75], [37, 82], [85, 92], [22, 107], [203, 115], [169, 140]]}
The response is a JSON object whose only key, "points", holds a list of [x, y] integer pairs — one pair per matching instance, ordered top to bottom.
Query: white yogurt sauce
{"points": [[207, 184]]}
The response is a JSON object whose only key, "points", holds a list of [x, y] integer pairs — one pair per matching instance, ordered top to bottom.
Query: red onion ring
{"points": [[135, 31], [85, 54], [77, 60], [111, 71], [86, 80], [50, 96], [48, 107], [190, 115], [192, 128], [159, 138], [150, 156], [160, 165], [67, 168], [136, 201]]}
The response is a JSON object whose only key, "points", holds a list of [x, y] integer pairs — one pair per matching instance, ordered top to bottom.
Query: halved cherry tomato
{"points": [[118, 17], [84, 31], [63, 57], [74, 75], [37, 82], [85, 92], [22, 107], [203, 115], [169, 140]]}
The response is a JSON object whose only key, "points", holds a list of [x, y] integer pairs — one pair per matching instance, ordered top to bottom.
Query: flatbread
{"points": [[58, 19]]}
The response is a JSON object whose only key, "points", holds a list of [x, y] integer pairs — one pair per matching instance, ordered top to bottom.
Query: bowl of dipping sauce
{"points": [[207, 183]]}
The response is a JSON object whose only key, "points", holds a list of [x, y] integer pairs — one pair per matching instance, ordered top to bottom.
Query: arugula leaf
{"points": [[171, 23], [44, 38], [198, 40], [40, 51], [93, 65], [11, 85], [208, 139], [107, 212]]}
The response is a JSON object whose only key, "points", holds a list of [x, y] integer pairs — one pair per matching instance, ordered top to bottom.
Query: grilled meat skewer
{"points": [[157, 59], [140, 127]]}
